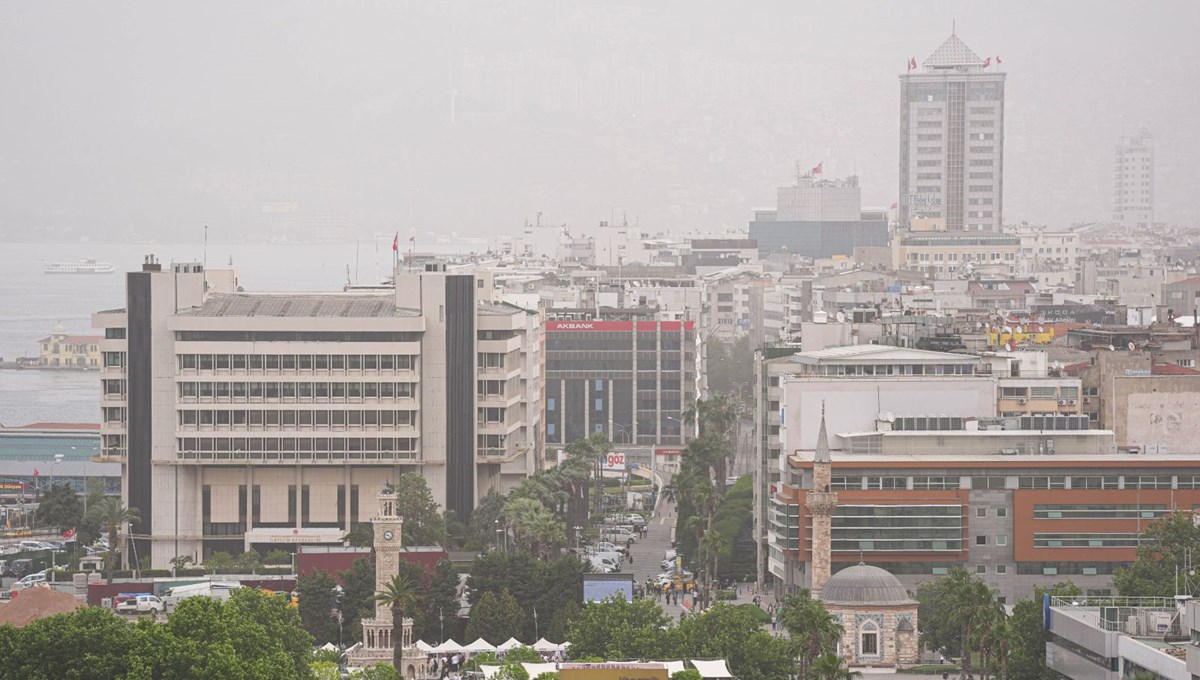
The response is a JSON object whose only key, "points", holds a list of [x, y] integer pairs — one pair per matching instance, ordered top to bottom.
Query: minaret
{"points": [[821, 504]]}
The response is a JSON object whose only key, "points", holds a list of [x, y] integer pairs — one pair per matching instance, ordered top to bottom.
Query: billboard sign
{"points": [[615, 460], [600, 587]]}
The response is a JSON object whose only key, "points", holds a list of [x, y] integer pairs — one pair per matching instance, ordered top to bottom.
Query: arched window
{"points": [[868, 639]]}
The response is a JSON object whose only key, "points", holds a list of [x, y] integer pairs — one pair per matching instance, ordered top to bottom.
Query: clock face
{"points": [[387, 535]]}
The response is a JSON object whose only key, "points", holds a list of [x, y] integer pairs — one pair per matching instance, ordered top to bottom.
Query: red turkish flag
{"points": [[817, 170], [396, 242], [35, 472]]}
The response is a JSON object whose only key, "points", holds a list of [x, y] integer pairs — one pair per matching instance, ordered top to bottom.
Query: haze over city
{"points": [[145, 121]]}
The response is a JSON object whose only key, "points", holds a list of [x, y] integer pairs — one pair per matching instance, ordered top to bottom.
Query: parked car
{"points": [[636, 520], [32, 545], [607, 546], [21, 568], [30, 580], [141, 604]]}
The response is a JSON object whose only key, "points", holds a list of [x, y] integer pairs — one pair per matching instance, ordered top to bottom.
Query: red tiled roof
{"points": [[1193, 281], [1172, 369]]}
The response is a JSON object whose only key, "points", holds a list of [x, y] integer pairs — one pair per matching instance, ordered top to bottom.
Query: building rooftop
{"points": [[953, 52], [361, 305], [877, 353], [865, 585]]}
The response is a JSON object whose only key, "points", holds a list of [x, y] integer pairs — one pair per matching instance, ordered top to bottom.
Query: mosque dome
{"points": [[863, 584]]}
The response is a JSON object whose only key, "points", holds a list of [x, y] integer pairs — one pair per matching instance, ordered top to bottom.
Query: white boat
{"points": [[80, 267]]}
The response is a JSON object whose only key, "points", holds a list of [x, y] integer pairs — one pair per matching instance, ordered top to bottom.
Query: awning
{"points": [[511, 643], [480, 645], [544, 645], [424, 646], [447, 647], [674, 667], [536, 669], [712, 669], [489, 671]]}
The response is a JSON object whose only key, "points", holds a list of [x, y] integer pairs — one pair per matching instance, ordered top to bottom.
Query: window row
{"points": [[296, 362], [322, 391], [271, 418], [295, 444], [1099, 511], [1097, 540]]}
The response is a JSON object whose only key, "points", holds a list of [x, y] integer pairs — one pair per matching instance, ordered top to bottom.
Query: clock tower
{"points": [[388, 525], [378, 632]]}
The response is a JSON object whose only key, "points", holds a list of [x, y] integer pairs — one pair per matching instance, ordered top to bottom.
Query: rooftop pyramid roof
{"points": [[953, 52]]}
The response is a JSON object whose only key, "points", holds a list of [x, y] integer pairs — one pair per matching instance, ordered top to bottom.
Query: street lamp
{"points": [[578, 538], [442, 626]]}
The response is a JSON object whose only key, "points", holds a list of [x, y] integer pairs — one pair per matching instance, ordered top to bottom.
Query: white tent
{"points": [[511, 643], [480, 645], [544, 645], [424, 646], [328, 647], [447, 647], [674, 667], [536, 669], [712, 669], [489, 671]]}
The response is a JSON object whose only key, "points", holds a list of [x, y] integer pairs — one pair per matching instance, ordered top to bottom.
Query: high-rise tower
{"points": [[952, 139], [1133, 180], [821, 503]]}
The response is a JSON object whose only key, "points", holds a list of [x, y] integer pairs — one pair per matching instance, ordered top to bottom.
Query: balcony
{"points": [[110, 455]]}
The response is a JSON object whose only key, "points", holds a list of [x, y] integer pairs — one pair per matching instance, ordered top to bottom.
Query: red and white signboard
{"points": [[667, 452], [614, 461]]}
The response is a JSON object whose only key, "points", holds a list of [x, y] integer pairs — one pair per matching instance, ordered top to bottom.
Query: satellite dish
{"points": [[841, 317], [978, 325], [1019, 329], [1131, 346], [1111, 348], [891, 417]]}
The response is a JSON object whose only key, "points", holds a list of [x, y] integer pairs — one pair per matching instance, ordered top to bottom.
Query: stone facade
{"points": [[894, 628]]}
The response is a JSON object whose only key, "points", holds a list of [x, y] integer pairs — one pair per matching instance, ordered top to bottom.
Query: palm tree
{"points": [[111, 514], [399, 594], [815, 631], [830, 666]]}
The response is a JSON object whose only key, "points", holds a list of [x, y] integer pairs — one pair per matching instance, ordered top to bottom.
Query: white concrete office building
{"points": [[952, 140], [1133, 180], [250, 420]]}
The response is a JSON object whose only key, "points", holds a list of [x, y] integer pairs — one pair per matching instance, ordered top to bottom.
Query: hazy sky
{"points": [[153, 118]]}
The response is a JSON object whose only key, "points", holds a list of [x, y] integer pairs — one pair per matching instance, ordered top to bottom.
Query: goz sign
{"points": [[614, 461]]}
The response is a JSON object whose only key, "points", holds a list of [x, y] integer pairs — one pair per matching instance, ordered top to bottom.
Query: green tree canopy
{"points": [[59, 506], [423, 521], [1161, 555], [358, 585], [317, 601], [955, 611], [494, 617], [810, 625], [616, 629], [735, 634], [252, 635], [1028, 635]]}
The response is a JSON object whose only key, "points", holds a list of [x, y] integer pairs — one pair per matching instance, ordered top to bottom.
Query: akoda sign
{"points": [[614, 461]]}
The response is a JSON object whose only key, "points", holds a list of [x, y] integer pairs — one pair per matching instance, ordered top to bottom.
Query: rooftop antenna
{"points": [[953, 27], [206, 247]]}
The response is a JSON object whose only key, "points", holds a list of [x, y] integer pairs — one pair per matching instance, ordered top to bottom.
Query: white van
{"points": [[30, 581]]}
